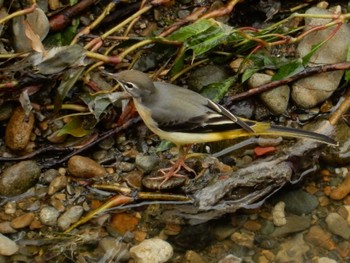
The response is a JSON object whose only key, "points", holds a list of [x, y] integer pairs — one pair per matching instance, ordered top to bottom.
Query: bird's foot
{"points": [[172, 171]]}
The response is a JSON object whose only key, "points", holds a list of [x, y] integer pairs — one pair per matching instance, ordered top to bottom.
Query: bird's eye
{"points": [[129, 85]]}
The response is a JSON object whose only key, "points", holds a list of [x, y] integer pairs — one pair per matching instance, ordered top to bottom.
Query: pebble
{"points": [[38, 22], [206, 75], [310, 91], [276, 99], [6, 110], [19, 129], [146, 162], [80, 166], [126, 166], [48, 176], [18, 178], [57, 184], [342, 190], [298, 202], [10, 208], [278, 214], [49, 215], [69, 217], [22, 221], [124, 222], [293, 224], [252, 225], [338, 225], [6, 228], [223, 231], [318, 237], [243, 239], [7, 246], [112, 247], [153, 250], [293, 250], [192, 257], [230, 259], [325, 260]]}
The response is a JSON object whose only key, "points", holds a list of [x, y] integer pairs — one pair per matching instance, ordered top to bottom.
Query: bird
{"points": [[185, 117]]}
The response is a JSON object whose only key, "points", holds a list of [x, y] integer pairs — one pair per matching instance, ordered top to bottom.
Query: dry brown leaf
{"points": [[34, 38]]}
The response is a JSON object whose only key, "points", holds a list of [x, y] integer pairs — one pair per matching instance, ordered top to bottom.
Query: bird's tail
{"points": [[299, 133]]}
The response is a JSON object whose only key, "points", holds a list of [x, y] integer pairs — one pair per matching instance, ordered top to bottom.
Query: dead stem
{"points": [[305, 73]]}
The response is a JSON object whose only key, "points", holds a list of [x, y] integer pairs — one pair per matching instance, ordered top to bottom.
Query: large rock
{"points": [[312, 90]]}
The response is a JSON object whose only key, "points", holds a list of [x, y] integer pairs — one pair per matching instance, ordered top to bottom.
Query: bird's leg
{"points": [[173, 170]]}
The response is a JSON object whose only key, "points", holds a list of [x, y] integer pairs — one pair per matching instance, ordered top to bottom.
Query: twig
{"points": [[18, 13], [305, 73]]}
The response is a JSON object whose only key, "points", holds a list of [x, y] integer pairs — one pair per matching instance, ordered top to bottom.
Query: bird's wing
{"points": [[190, 112]]}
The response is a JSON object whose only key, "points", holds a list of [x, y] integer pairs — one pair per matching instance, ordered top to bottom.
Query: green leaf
{"points": [[194, 29], [313, 50], [289, 69], [216, 91], [74, 128], [164, 146]]}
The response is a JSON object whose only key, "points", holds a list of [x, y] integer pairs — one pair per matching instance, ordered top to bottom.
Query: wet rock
{"points": [[38, 22], [206, 75], [312, 90], [276, 99], [5, 111], [18, 130], [107, 144], [339, 155], [146, 162], [80, 166], [126, 166], [48, 176], [18, 178], [134, 179], [57, 184], [342, 190], [298, 202], [278, 214], [49, 215], [69, 217], [22, 221], [123, 222], [293, 224], [252, 225], [338, 225], [6, 228], [223, 231], [318, 237], [243, 239], [7, 246], [112, 247], [153, 250], [293, 250], [193, 257], [230, 259], [325, 260]]}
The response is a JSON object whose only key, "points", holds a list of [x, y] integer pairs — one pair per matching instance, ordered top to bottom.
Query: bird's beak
{"points": [[109, 74]]}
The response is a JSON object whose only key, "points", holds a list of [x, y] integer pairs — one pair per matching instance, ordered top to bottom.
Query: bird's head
{"points": [[136, 83]]}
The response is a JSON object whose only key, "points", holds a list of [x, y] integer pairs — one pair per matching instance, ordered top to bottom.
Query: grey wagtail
{"points": [[184, 117]]}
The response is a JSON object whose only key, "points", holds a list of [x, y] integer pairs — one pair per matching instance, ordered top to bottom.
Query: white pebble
{"points": [[278, 214], [7, 246], [153, 250]]}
